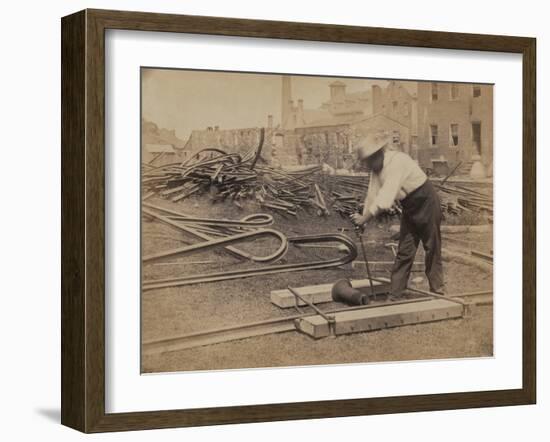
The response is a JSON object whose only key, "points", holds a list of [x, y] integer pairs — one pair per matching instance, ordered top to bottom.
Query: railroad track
{"points": [[277, 325]]}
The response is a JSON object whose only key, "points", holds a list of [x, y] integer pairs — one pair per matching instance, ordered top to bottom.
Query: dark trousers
{"points": [[420, 221]]}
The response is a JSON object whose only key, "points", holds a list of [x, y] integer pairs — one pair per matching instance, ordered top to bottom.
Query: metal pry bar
{"points": [[329, 318]]}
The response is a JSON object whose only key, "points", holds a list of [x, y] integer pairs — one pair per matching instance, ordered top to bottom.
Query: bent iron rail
{"points": [[195, 230], [226, 240], [279, 268]]}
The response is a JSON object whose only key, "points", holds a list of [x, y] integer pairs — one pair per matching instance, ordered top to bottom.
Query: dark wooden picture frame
{"points": [[83, 220]]}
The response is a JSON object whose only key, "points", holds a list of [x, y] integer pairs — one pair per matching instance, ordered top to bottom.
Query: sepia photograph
{"points": [[293, 220]]}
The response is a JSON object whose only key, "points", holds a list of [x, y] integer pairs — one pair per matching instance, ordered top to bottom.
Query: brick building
{"points": [[448, 122], [455, 123], [328, 134]]}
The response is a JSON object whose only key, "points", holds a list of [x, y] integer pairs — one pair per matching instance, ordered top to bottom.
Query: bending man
{"points": [[396, 176]]}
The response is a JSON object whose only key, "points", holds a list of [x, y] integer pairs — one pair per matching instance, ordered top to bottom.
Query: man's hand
{"points": [[359, 219]]}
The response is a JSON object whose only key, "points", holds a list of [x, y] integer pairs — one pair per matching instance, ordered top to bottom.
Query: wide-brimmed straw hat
{"points": [[371, 144]]}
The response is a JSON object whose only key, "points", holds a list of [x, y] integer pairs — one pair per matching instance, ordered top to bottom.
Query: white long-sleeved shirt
{"points": [[400, 175]]}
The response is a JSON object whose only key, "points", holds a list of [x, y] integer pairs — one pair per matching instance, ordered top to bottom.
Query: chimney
{"points": [[337, 91], [286, 98], [300, 112], [270, 121]]}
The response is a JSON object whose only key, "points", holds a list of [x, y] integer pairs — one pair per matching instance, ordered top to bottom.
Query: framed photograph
{"points": [[267, 220]]}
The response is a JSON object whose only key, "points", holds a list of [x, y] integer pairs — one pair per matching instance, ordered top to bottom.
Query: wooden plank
{"points": [[317, 294], [370, 319]]}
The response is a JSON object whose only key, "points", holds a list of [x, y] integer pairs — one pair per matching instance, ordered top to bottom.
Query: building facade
{"points": [[433, 122], [455, 123], [329, 133]]}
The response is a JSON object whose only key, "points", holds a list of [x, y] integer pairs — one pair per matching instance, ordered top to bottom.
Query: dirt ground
{"points": [[176, 311]]}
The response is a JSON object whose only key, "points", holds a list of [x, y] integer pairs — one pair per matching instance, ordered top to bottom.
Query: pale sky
{"points": [[187, 100]]}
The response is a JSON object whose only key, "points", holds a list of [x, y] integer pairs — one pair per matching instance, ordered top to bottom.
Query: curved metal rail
{"points": [[231, 158], [252, 220], [198, 231], [226, 240], [280, 268]]}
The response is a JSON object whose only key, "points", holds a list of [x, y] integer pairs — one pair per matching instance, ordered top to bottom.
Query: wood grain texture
{"points": [[194, 24], [83, 218], [529, 220], [95, 221], [379, 318], [73, 350]]}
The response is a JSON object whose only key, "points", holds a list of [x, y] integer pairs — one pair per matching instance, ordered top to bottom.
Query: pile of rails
{"points": [[227, 177], [230, 177], [235, 178], [347, 192], [458, 199]]}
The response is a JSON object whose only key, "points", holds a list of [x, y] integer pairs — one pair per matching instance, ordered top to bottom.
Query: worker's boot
{"points": [[440, 291], [395, 298]]}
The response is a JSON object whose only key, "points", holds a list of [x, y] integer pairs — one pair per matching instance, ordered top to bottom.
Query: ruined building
{"points": [[447, 122], [160, 146]]}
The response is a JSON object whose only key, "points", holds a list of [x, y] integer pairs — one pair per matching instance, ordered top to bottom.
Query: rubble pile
{"points": [[230, 177], [235, 178]]}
